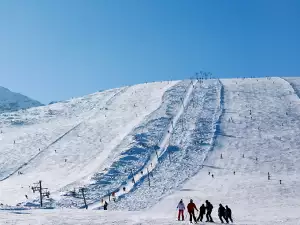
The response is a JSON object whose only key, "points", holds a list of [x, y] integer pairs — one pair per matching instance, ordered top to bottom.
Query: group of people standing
{"points": [[223, 212]]}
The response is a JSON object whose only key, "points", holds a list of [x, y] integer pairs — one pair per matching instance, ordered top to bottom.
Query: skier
{"points": [[73, 193], [113, 196], [105, 205], [190, 207], [181, 208], [209, 208], [202, 212], [221, 213], [228, 214]]}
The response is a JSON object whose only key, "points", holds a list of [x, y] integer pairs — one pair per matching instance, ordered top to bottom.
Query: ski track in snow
{"points": [[34, 157]]}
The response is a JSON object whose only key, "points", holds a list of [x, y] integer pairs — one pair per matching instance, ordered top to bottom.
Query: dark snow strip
{"points": [[145, 141], [182, 160]]}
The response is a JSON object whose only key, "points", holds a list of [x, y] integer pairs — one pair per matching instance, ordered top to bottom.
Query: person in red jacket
{"points": [[190, 207]]}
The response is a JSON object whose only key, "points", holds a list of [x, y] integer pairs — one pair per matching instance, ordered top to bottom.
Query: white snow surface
{"points": [[176, 131]]}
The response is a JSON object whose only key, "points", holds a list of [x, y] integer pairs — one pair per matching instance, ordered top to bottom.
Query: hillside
{"points": [[11, 101], [179, 132], [66, 143]]}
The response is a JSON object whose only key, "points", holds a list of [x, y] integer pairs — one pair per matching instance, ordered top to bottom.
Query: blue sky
{"points": [[55, 50]]}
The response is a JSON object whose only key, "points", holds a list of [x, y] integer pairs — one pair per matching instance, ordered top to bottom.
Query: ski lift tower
{"points": [[43, 191]]}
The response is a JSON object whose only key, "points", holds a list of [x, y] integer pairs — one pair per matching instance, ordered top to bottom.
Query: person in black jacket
{"points": [[105, 205], [209, 208], [202, 212], [221, 213], [228, 214]]}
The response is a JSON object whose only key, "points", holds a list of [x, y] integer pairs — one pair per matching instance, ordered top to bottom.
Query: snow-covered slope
{"points": [[11, 101], [260, 120], [180, 132], [65, 144]]}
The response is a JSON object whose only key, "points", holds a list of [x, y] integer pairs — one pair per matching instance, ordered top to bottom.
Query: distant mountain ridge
{"points": [[11, 101]]}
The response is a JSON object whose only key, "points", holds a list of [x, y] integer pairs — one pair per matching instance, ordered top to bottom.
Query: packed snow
{"points": [[143, 148]]}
